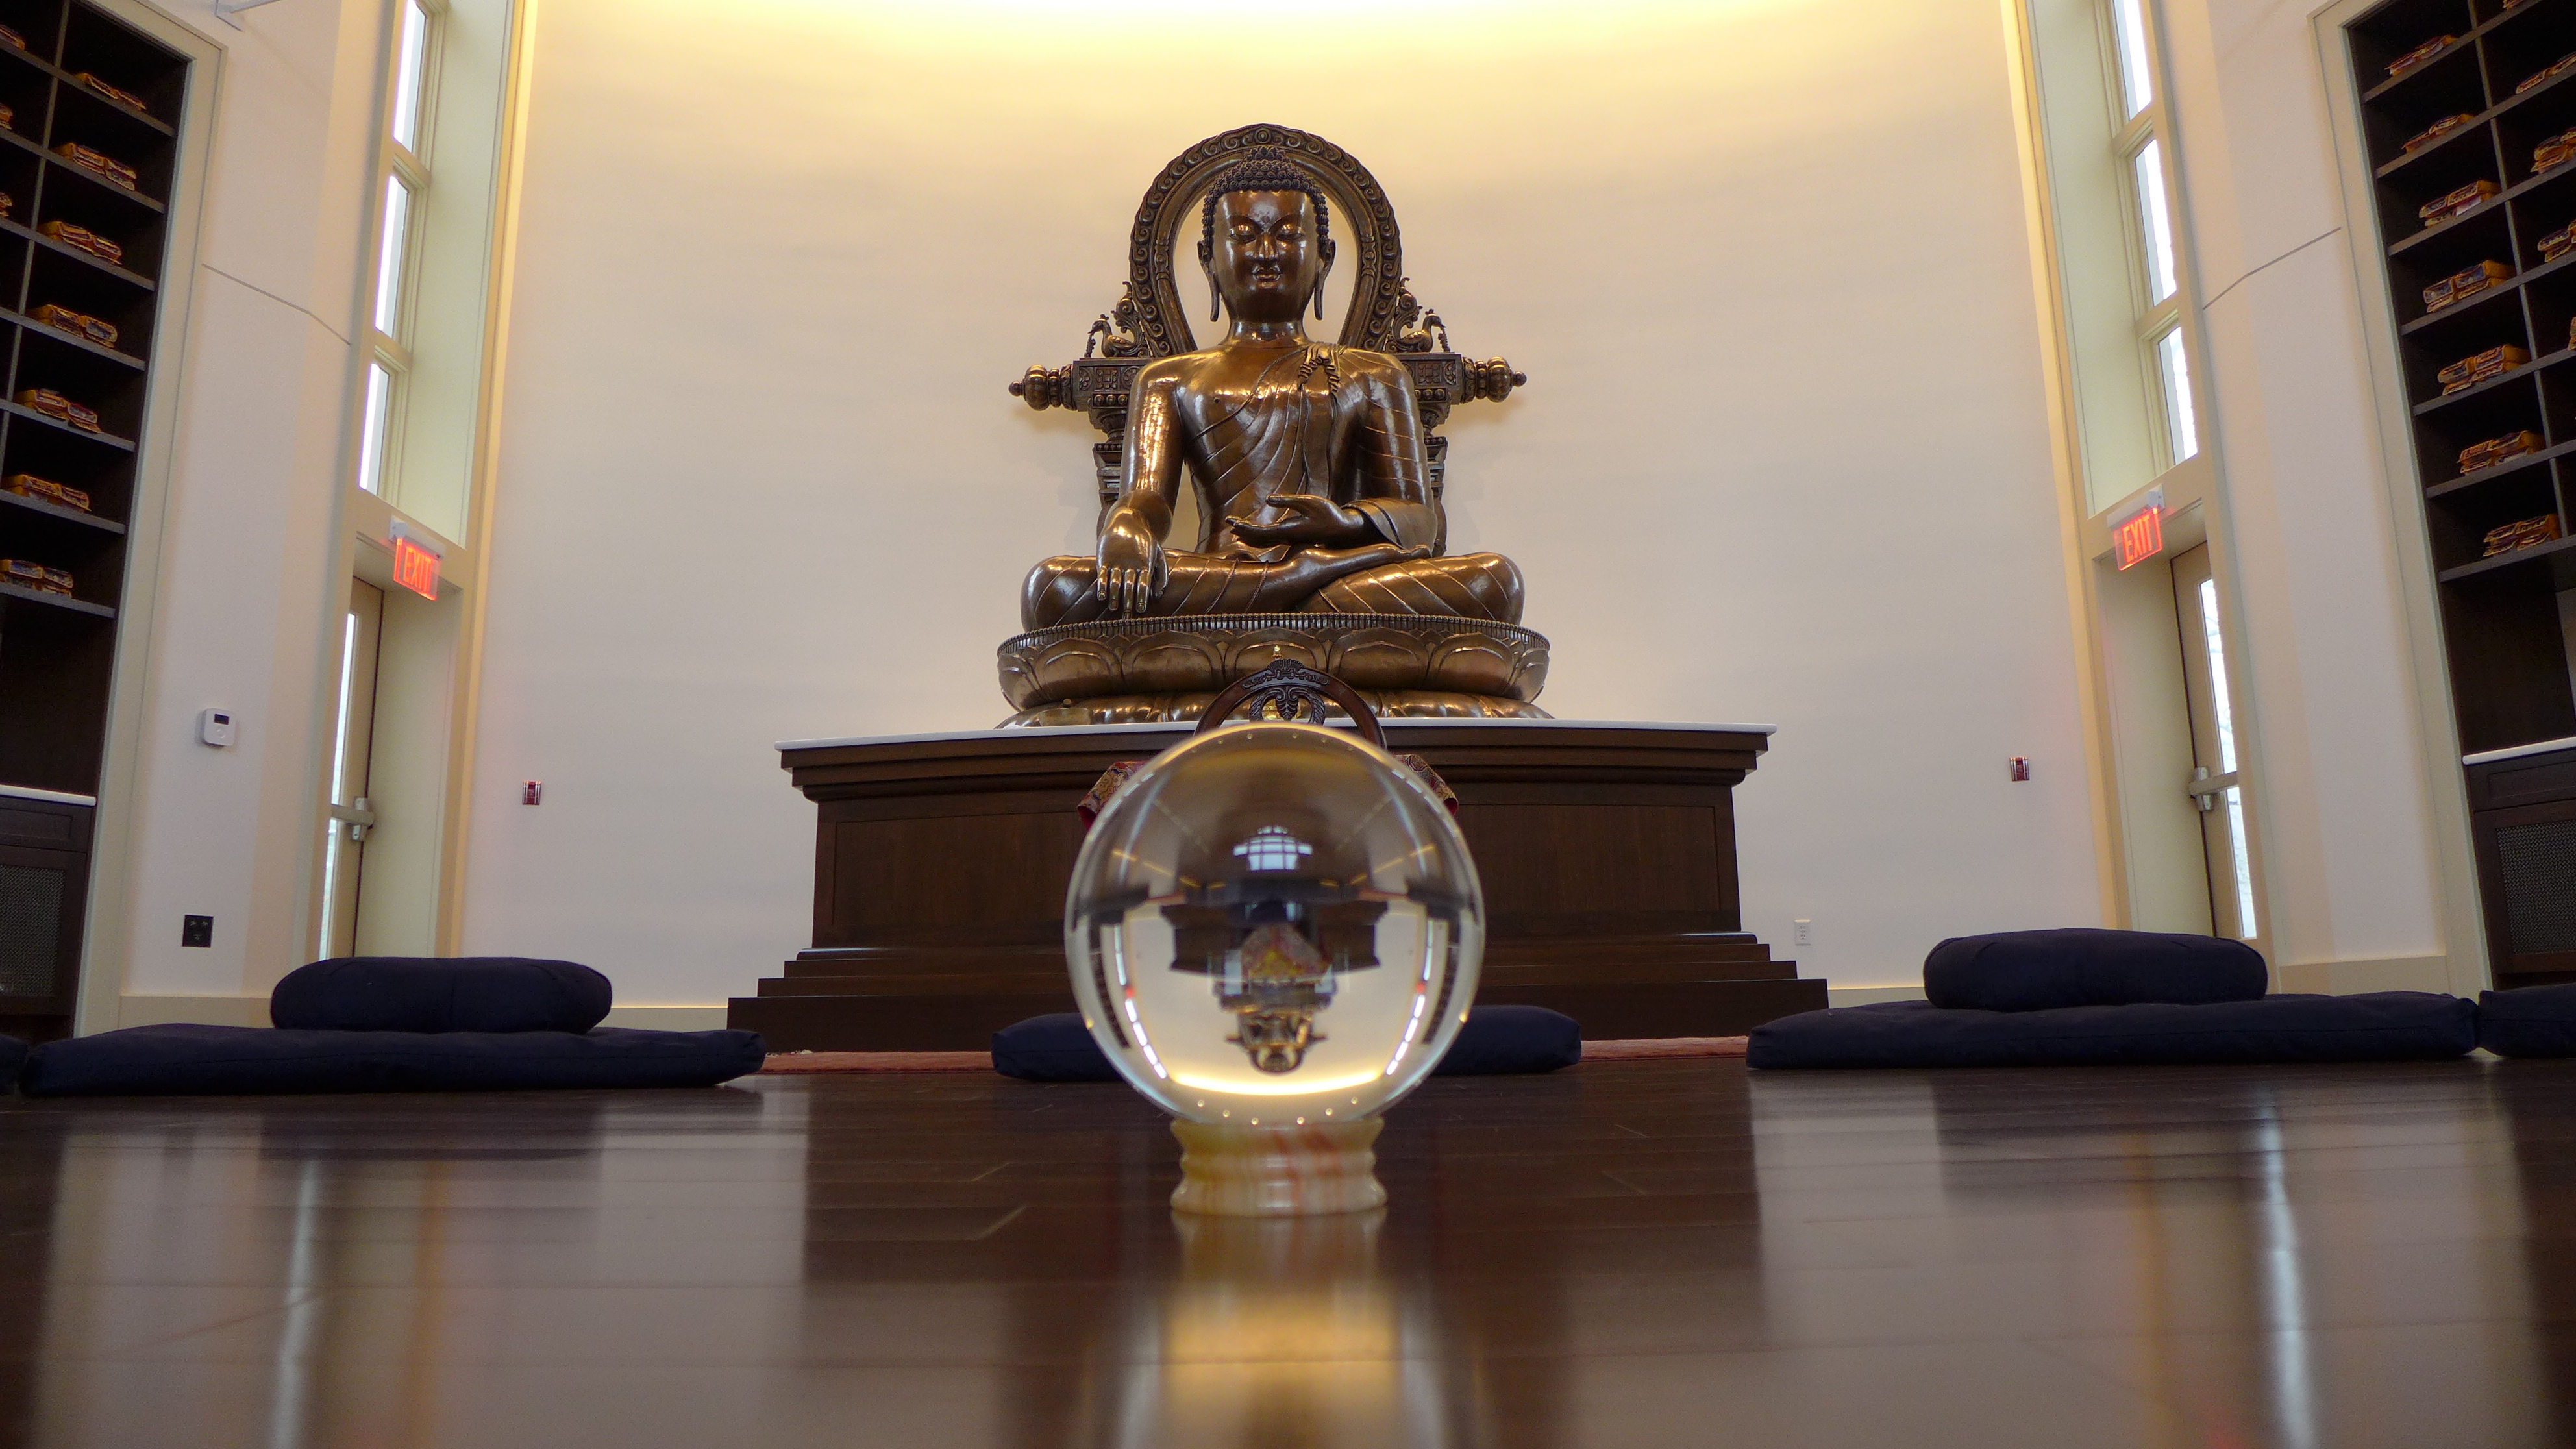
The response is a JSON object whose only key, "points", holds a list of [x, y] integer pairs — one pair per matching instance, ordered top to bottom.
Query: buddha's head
{"points": [[1266, 240], [1275, 1037]]}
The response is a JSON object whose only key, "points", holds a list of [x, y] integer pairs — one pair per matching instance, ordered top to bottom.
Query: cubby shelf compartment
{"points": [[51, 333], [17, 409], [56, 510], [39, 596]]}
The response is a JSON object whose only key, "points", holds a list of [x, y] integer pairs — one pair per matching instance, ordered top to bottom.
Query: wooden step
{"points": [[965, 1020]]}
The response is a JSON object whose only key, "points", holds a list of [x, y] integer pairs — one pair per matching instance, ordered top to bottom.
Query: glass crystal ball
{"points": [[1274, 925]]}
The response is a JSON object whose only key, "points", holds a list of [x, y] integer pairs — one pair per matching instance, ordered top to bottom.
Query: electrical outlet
{"points": [[196, 930], [1802, 933]]}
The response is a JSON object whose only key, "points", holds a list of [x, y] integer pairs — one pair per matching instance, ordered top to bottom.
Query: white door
{"points": [[2216, 786], [348, 815]]}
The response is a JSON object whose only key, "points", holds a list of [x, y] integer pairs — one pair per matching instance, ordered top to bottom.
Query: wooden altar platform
{"points": [[1607, 852]]}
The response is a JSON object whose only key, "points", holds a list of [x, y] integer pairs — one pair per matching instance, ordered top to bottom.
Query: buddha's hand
{"points": [[1309, 518], [1132, 567]]}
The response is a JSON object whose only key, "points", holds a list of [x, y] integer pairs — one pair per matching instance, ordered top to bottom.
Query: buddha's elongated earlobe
{"points": [[1207, 264], [1319, 299]]}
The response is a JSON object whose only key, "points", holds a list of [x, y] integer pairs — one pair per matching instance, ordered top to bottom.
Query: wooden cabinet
{"points": [[2523, 814], [44, 880]]}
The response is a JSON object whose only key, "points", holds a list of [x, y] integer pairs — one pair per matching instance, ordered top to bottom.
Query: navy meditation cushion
{"points": [[2044, 970], [440, 993], [2532, 1021], [2380, 1026], [1497, 1041], [1512, 1041], [1053, 1048], [160, 1061]]}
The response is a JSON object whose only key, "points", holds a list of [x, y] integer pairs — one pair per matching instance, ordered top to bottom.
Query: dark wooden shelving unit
{"points": [[57, 653], [2511, 687]]}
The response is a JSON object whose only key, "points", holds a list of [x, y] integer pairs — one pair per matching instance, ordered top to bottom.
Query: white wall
{"points": [[1784, 455], [244, 588], [2348, 822]]}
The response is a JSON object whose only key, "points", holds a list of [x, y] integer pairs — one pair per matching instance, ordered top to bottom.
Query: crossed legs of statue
{"points": [[1377, 578]]}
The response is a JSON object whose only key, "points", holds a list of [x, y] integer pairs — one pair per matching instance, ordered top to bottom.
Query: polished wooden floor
{"points": [[1652, 1253]]}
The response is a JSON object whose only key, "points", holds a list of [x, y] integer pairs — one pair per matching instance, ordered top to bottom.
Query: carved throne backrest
{"points": [[1150, 320]]}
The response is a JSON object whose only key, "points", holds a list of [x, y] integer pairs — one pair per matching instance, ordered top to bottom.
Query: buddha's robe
{"points": [[1336, 421]]}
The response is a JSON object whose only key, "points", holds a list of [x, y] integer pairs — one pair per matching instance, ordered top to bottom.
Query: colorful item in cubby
{"points": [[2421, 54], [2558, 67], [127, 98], [8, 115], [2437, 131], [2555, 151], [98, 163], [8, 203], [2456, 203], [84, 239], [2558, 243], [2466, 283], [64, 318], [2467, 372], [54, 405], [2496, 450], [28, 485], [2522, 535], [35, 576]]}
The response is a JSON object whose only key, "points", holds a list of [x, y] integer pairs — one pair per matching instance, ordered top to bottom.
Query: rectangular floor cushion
{"points": [[2083, 966], [440, 993], [2533, 1021], [2383, 1026], [1497, 1041], [231, 1060]]}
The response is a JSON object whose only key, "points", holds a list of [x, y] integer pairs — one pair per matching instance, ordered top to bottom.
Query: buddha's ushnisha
{"points": [[1307, 456]]}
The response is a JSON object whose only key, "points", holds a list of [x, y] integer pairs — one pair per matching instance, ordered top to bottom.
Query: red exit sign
{"points": [[2140, 536], [415, 567]]}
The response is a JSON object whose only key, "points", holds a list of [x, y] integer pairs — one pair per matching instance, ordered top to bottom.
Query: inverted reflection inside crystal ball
{"points": [[1274, 924]]}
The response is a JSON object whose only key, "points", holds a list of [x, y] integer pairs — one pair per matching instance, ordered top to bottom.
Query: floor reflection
{"points": [[1657, 1253], [290, 1272]]}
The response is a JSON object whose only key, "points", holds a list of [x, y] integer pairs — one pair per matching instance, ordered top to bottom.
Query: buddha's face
{"points": [[1267, 256]]}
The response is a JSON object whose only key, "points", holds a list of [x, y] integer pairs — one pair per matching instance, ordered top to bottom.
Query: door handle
{"points": [[2205, 788], [360, 819]]}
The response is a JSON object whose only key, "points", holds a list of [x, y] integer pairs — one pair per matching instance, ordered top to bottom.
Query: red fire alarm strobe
{"points": [[2140, 535], [2021, 769], [533, 793]]}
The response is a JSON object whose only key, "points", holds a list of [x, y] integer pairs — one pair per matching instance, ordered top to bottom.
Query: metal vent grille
{"points": [[2539, 885], [31, 923]]}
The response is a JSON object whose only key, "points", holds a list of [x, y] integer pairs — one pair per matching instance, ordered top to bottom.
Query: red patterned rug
{"points": [[797, 1064]]}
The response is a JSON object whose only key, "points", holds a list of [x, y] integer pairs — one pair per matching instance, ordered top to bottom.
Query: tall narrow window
{"points": [[2137, 84], [406, 177], [2123, 266], [2156, 267], [2173, 370]]}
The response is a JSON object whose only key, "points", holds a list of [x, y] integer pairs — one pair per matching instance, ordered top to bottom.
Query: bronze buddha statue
{"points": [[1313, 487], [1322, 536]]}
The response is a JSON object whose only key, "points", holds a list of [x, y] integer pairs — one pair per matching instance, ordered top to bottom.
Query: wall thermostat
{"points": [[215, 726]]}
